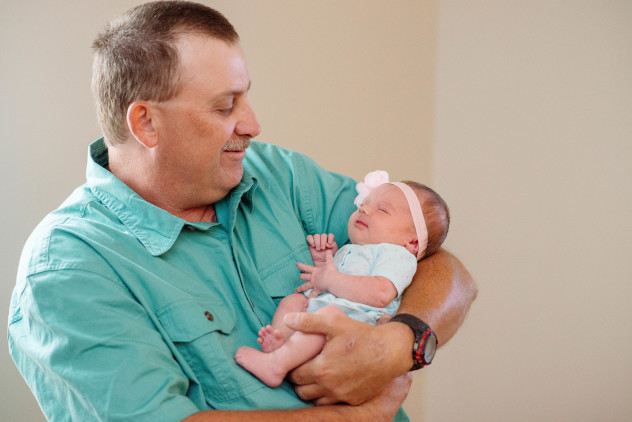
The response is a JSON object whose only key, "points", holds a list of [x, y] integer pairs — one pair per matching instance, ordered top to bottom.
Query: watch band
{"points": [[425, 343]]}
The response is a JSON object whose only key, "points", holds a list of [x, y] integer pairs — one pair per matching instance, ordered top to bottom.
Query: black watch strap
{"points": [[425, 343]]}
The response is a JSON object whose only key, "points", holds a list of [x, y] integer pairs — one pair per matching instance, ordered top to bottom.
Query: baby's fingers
{"points": [[322, 241], [304, 267], [305, 277], [303, 287]]}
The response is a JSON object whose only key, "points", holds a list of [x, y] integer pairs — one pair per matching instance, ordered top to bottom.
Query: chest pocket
{"points": [[272, 239], [281, 276], [200, 330]]}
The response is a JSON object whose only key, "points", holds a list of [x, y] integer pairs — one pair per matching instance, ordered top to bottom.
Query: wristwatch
{"points": [[425, 344]]}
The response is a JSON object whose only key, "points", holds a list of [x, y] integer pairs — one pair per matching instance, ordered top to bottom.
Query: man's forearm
{"points": [[440, 294], [382, 407], [320, 413]]}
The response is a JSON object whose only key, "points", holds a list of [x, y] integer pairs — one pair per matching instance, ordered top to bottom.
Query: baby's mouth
{"points": [[361, 224]]}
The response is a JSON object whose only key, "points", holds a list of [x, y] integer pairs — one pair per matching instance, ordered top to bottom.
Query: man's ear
{"points": [[140, 123]]}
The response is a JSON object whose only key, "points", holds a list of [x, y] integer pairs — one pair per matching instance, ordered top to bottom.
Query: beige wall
{"points": [[518, 112], [533, 149]]}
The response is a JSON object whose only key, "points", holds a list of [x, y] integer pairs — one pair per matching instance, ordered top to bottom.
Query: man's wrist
{"points": [[402, 340], [425, 340]]}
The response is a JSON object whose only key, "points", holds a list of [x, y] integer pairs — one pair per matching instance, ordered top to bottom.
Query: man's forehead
{"points": [[193, 46], [209, 60]]}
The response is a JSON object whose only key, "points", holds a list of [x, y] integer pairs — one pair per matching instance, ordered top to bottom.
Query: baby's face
{"points": [[383, 217]]}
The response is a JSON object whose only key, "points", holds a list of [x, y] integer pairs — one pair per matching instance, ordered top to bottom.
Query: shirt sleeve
{"points": [[395, 263], [96, 351]]}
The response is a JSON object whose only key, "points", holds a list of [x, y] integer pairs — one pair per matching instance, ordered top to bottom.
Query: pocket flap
{"points": [[186, 320]]}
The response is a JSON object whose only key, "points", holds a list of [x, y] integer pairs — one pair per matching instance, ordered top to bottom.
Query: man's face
{"points": [[204, 130], [383, 217]]}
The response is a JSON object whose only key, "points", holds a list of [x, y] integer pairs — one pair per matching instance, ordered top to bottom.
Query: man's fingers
{"points": [[384, 319], [311, 323], [309, 392], [325, 401]]}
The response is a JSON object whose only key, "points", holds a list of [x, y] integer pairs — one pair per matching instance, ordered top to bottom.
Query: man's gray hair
{"points": [[135, 58]]}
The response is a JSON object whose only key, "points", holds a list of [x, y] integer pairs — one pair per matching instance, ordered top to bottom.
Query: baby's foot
{"points": [[270, 339], [261, 365]]}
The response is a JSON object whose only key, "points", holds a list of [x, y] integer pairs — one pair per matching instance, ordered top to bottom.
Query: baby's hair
{"points": [[436, 214]]}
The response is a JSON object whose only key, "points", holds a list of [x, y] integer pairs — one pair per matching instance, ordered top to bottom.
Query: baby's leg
{"points": [[271, 337], [271, 368]]}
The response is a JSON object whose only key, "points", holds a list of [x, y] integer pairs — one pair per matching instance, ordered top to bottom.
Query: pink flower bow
{"points": [[371, 180]]}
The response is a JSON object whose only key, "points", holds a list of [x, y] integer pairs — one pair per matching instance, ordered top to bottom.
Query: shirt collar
{"points": [[154, 227]]}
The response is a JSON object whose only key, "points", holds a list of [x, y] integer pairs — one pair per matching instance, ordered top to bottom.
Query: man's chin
{"points": [[232, 177]]}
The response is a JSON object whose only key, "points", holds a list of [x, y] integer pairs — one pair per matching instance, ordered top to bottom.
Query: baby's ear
{"points": [[412, 246]]}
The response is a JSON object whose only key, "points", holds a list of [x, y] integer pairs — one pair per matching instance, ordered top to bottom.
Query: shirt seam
{"points": [[305, 195]]}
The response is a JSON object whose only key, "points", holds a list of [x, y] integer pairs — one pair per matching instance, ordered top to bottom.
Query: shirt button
{"points": [[209, 316]]}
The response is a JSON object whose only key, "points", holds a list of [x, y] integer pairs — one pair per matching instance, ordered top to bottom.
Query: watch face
{"points": [[430, 347]]}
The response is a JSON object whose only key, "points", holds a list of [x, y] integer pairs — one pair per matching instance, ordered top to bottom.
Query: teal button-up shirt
{"points": [[123, 311]]}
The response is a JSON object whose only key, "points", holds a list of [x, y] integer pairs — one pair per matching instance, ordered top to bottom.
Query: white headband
{"points": [[379, 177]]}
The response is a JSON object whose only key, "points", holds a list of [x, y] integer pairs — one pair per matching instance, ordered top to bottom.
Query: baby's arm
{"points": [[319, 244], [375, 291]]}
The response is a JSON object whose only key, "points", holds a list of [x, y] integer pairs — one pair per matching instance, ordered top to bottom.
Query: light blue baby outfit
{"points": [[387, 260]]}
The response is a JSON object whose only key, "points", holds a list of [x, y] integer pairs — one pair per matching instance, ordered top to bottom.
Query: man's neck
{"points": [[134, 169]]}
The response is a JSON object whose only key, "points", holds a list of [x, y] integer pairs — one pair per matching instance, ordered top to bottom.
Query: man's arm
{"points": [[441, 294], [359, 359], [382, 407]]}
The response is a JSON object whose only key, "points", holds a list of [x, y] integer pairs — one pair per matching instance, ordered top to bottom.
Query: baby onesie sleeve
{"points": [[395, 263]]}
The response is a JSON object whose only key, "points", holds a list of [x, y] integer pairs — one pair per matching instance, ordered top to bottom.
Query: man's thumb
{"points": [[306, 322]]}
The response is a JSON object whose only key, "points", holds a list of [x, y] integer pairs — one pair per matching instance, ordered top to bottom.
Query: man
{"points": [[133, 296]]}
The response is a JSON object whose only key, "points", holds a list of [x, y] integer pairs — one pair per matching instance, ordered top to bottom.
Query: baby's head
{"points": [[385, 216]]}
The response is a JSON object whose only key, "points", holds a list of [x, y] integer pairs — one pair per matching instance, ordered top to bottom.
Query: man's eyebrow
{"points": [[234, 93]]}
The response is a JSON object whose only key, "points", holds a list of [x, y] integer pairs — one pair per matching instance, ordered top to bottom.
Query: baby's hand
{"points": [[319, 244], [318, 278], [305, 287]]}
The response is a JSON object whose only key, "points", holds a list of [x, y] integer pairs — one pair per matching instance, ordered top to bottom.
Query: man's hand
{"points": [[319, 244], [357, 362]]}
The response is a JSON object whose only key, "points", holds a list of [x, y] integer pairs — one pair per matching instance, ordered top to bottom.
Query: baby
{"points": [[396, 225]]}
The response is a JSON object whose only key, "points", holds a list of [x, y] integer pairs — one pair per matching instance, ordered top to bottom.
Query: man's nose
{"points": [[247, 124]]}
